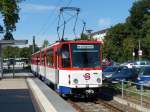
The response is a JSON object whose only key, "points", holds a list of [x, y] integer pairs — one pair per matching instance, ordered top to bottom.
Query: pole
{"points": [[33, 46], [139, 50], [133, 54], [1, 62], [13, 69], [122, 89], [141, 91]]}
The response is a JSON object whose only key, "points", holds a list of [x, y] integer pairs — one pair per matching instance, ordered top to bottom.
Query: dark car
{"points": [[109, 71], [125, 74], [144, 78]]}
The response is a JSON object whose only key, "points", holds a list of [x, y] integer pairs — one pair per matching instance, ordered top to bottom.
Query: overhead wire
{"points": [[69, 3], [82, 20], [54, 21], [64, 21], [45, 24], [63, 24]]}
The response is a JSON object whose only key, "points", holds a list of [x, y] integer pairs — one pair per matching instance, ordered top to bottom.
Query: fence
{"points": [[129, 92]]}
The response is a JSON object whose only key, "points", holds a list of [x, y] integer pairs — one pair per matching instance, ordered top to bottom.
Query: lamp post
{"points": [[140, 51], [133, 54]]}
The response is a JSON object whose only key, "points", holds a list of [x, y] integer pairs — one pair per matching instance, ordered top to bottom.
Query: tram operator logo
{"points": [[87, 76]]}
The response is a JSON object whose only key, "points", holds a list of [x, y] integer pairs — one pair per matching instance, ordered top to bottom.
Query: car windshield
{"points": [[85, 55], [110, 69], [123, 71], [146, 71]]}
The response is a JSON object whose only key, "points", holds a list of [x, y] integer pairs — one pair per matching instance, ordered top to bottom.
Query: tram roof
{"points": [[70, 42]]}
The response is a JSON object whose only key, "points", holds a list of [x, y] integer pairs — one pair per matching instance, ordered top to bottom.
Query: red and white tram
{"points": [[72, 67]]}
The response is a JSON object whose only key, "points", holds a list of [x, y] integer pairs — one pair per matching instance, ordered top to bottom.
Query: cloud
{"points": [[37, 8], [104, 22]]}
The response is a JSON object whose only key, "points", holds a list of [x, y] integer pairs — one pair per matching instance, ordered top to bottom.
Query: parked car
{"points": [[11, 62], [128, 64], [139, 64], [109, 71], [125, 74], [144, 78]]}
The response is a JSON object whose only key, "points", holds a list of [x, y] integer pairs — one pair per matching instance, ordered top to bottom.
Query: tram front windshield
{"points": [[85, 55]]}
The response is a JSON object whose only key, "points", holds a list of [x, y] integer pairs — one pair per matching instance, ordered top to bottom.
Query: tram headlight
{"points": [[98, 80], [75, 81]]}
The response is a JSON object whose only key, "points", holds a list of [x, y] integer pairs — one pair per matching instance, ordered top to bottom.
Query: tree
{"points": [[10, 13], [137, 16], [8, 36], [84, 37], [122, 39], [113, 42], [45, 44], [128, 47], [7, 52], [16, 52], [25, 52]]}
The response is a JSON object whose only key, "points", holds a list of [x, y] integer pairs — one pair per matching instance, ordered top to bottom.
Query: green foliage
{"points": [[137, 12], [10, 13], [8, 36], [84, 37], [123, 38], [45, 43], [128, 47], [11, 52], [16, 52], [25, 52]]}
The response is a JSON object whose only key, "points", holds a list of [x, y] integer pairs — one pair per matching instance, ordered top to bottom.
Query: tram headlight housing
{"points": [[98, 80], [75, 81]]}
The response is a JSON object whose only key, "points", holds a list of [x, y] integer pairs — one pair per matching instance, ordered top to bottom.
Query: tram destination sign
{"points": [[85, 46]]}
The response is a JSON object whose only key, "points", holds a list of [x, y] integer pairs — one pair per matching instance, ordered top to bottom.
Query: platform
{"points": [[25, 93], [15, 96]]}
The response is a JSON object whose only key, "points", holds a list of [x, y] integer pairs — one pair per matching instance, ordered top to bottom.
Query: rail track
{"points": [[112, 105], [98, 106]]}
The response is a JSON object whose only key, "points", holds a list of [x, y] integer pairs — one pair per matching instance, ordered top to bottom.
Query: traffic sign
{"points": [[140, 52]]}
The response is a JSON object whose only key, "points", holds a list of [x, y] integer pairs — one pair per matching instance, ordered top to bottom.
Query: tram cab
{"points": [[79, 65]]}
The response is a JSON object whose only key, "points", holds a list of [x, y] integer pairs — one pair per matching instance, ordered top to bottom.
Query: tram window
{"points": [[65, 56], [49, 58], [38, 61], [43, 62]]}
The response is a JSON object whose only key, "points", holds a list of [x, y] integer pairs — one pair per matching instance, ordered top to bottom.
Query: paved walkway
{"points": [[15, 96]]}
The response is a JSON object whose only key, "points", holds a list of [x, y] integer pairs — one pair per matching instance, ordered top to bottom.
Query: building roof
{"points": [[99, 32]]}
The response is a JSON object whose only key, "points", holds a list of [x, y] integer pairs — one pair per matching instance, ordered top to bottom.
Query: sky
{"points": [[39, 18]]}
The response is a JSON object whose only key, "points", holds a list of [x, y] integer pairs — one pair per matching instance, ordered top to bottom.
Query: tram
{"points": [[70, 67]]}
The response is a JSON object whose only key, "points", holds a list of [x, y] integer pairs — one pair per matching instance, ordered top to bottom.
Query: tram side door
{"points": [[58, 58], [57, 63], [37, 67], [44, 67]]}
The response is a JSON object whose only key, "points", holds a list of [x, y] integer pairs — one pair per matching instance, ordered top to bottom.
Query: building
{"points": [[99, 35]]}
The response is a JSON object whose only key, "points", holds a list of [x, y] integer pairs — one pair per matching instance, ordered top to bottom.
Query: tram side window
{"points": [[65, 56], [49, 57], [38, 61], [43, 62]]}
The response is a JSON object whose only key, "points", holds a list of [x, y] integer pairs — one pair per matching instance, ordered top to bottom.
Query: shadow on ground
{"points": [[16, 100]]}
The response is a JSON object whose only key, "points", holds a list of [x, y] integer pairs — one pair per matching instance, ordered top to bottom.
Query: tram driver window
{"points": [[65, 56]]}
